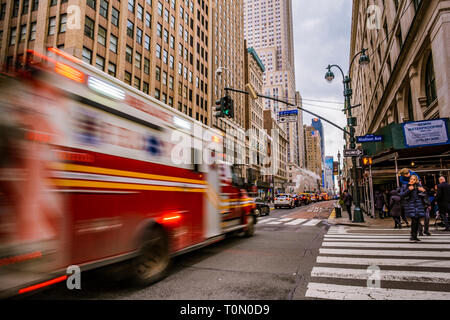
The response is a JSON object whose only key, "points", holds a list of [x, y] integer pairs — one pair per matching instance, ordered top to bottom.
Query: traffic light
{"points": [[219, 107], [224, 107], [228, 107], [367, 161]]}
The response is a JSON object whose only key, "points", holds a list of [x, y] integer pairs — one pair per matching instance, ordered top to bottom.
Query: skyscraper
{"points": [[268, 29], [159, 47], [317, 124]]}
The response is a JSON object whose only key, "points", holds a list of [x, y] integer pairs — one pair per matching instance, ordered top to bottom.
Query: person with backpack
{"points": [[395, 207]]}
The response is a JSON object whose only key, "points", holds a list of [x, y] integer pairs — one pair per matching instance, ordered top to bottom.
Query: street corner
{"points": [[320, 210]]}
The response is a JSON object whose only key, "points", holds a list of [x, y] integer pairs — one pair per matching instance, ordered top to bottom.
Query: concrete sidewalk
{"points": [[369, 222]]}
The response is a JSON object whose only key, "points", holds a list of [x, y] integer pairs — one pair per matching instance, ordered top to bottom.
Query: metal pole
{"points": [[396, 172], [372, 206], [357, 214]]}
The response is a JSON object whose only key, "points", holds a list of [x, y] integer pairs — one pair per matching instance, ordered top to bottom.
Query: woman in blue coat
{"points": [[414, 201]]}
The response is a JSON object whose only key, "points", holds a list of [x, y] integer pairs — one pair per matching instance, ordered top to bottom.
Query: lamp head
{"points": [[364, 59], [219, 71], [329, 76]]}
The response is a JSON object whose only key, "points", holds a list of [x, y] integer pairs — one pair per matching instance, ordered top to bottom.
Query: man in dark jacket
{"points": [[348, 199], [443, 201], [379, 202], [395, 207]]}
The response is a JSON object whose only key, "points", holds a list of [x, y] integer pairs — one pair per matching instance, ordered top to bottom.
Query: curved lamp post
{"points": [[364, 60]]}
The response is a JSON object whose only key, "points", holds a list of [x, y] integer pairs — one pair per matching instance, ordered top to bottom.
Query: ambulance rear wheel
{"points": [[154, 260]]}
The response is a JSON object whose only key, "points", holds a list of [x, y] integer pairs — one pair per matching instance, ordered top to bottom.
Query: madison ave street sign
{"points": [[369, 138]]}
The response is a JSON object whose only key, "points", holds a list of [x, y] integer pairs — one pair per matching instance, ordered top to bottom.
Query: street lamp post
{"points": [[364, 60], [339, 172]]}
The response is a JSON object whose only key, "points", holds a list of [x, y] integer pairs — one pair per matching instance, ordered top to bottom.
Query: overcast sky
{"points": [[322, 37]]}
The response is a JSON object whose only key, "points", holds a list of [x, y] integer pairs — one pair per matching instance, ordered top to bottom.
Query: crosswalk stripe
{"points": [[285, 219], [266, 220], [274, 222], [295, 222], [312, 222], [351, 236], [381, 240], [378, 245], [398, 253], [349, 254], [385, 262], [384, 275], [341, 292]]}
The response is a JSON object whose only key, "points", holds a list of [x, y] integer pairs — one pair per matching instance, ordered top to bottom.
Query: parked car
{"points": [[325, 196], [314, 197], [305, 198], [283, 200], [297, 202], [262, 206]]}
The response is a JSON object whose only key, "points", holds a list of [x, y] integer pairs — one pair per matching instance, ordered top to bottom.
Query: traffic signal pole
{"points": [[292, 105]]}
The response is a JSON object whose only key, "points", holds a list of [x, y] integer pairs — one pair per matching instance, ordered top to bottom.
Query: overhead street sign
{"points": [[288, 116], [369, 138], [353, 152]]}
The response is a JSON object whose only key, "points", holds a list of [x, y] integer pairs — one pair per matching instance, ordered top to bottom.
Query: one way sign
{"points": [[353, 152]]}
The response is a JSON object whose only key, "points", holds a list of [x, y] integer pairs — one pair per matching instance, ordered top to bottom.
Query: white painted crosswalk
{"points": [[289, 221], [376, 264]]}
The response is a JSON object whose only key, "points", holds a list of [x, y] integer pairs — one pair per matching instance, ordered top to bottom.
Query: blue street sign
{"points": [[288, 113], [369, 138]]}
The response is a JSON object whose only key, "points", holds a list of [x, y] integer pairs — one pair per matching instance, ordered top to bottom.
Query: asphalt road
{"points": [[274, 264]]}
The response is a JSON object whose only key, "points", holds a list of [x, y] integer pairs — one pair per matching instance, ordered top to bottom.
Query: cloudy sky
{"points": [[322, 37]]}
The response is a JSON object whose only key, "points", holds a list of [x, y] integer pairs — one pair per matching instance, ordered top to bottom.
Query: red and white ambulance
{"points": [[94, 172]]}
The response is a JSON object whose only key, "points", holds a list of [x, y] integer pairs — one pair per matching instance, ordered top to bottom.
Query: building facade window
{"points": [[91, 3], [104, 8], [115, 16], [62, 23], [52, 26], [88, 28], [130, 29], [33, 31], [23, 32], [101, 36], [113, 43], [129, 54], [87, 55], [100, 63], [146, 66], [112, 69], [127, 78], [430, 81]]}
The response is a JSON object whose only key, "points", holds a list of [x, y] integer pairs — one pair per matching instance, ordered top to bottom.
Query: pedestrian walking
{"points": [[405, 174], [386, 198], [348, 200], [443, 200], [379, 203], [414, 203], [395, 207], [424, 229]]}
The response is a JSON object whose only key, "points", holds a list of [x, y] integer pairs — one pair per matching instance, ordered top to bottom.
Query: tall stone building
{"points": [[268, 29], [158, 46], [227, 57], [408, 78], [405, 90], [256, 137], [313, 152], [277, 168]]}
